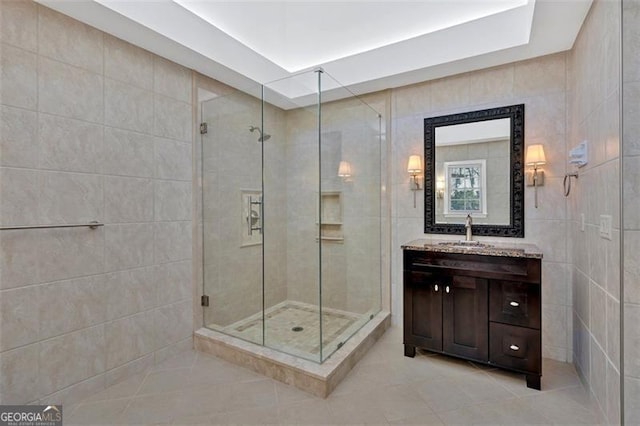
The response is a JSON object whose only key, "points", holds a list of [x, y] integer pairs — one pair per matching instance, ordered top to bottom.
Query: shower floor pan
{"points": [[294, 327], [310, 376]]}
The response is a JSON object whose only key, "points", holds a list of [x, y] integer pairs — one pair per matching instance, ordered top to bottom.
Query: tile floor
{"points": [[384, 388]]}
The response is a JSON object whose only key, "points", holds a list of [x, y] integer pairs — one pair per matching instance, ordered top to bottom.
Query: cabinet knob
{"points": [[435, 288], [446, 289], [514, 303], [514, 347]]}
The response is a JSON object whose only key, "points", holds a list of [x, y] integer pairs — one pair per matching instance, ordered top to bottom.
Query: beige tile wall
{"points": [[541, 85], [594, 115], [91, 128], [631, 206]]}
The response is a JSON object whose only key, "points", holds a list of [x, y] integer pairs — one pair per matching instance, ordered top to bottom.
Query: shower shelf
{"points": [[330, 220], [332, 239]]}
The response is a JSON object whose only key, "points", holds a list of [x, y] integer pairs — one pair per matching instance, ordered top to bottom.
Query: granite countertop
{"points": [[488, 248]]}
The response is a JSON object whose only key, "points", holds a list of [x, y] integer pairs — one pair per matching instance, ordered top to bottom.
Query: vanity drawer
{"points": [[515, 303], [514, 347]]}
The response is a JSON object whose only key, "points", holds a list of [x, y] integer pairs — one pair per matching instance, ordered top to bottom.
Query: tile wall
{"points": [[540, 84], [594, 116], [91, 128], [631, 206]]}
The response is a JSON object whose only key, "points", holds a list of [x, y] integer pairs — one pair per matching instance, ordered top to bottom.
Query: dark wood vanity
{"points": [[478, 303]]}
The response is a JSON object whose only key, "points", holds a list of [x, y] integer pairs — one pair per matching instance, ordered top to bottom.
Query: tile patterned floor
{"points": [[280, 322], [384, 388]]}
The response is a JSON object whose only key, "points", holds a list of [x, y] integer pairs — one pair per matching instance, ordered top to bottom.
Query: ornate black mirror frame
{"points": [[516, 226]]}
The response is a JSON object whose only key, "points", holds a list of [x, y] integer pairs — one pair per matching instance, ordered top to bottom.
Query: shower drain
{"points": [[297, 328]]}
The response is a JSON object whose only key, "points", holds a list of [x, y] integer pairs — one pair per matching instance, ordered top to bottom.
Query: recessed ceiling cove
{"points": [[297, 35], [365, 45]]}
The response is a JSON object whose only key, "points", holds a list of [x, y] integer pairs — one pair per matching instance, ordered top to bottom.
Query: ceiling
{"points": [[365, 45]]}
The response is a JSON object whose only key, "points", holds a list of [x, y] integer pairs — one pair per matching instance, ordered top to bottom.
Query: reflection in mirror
{"points": [[472, 162], [473, 165]]}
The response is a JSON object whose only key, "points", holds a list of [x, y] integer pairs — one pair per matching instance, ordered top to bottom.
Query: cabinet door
{"points": [[423, 310], [465, 318]]}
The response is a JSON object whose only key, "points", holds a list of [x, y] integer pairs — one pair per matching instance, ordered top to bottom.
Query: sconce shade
{"points": [[535, 155], [415, 165], [344, 169]]}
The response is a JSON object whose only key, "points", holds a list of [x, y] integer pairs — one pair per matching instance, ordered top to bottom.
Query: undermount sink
{"points": [[463, 243]]}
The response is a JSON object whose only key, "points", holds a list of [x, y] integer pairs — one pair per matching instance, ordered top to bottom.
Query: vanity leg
{"points": [[410, 351], [533, 381]]}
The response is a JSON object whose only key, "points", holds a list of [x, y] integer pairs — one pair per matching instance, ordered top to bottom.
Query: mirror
{"points": [[474, 164]]}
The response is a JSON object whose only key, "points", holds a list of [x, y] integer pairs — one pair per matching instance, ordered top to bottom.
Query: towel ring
{"points": [[567, 178]]}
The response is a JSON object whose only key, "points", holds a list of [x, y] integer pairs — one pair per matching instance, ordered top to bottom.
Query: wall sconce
{"points": [[535, 158], [414, 168], [344, 170], [440, 189]]}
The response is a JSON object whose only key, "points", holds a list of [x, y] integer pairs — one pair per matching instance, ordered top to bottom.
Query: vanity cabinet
{"points": [[484, 308], [445, 313]]}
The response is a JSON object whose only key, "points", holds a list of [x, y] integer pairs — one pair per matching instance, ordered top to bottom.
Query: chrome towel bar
{"points": [[92, 225]]}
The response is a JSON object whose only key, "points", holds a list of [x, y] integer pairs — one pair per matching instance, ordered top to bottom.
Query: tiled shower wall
{"points": [[540, 84], [594, 116], [91, 128], [631, 206]]}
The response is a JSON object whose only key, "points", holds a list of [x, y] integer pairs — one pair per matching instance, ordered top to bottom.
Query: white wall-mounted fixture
{"points": [[579, 155], [535, 159], [414, 168], [344, 170]]}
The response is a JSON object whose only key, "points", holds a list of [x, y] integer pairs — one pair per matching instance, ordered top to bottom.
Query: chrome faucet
{"points": [[467, 225]]}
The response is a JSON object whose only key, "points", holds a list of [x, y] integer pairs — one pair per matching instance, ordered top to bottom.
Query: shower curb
{"points": [[317, 379]]}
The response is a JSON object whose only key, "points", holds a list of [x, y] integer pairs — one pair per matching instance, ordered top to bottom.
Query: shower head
{"points": [[263, 136]]}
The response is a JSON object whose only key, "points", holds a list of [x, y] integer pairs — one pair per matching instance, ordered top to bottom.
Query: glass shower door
{"points": [[233, 215]]}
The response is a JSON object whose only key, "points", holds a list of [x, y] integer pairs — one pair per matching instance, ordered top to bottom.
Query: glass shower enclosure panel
{"points": [[291, 183], [350, 214], [232, 215]]}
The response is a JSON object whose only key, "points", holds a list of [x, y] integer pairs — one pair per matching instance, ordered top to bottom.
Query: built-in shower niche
{"points": [[330, 220]]}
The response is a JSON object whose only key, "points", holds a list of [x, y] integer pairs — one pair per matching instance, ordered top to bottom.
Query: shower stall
{"points": [[292, 215]]}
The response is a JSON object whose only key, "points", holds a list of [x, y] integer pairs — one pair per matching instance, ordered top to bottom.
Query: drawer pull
{"points": [[435, 288], [446, 289], [514, 303], [514, 347]]}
